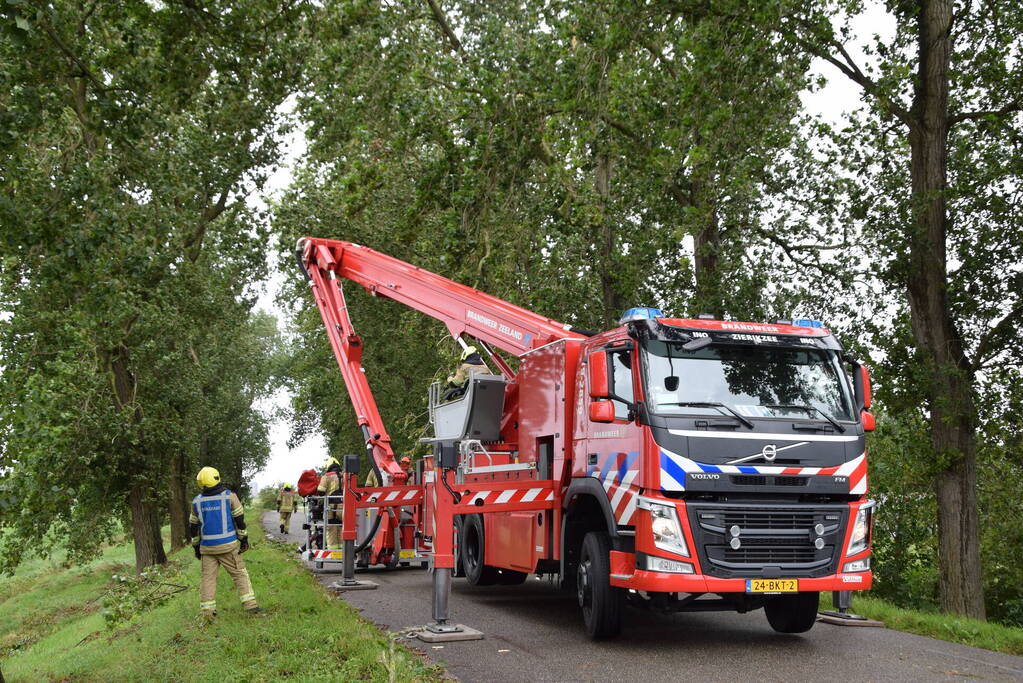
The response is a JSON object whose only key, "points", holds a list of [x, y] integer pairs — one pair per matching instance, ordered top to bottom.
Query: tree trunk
{"points": [[706, 248], [611, 297], [950, 387], [178, 500], [145, 528]]}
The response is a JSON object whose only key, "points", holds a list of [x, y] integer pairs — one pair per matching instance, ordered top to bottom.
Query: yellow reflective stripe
{"points": [[247, 597], [208, 605]]}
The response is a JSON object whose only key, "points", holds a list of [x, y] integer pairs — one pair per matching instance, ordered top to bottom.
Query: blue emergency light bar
{"points": [[640, 313], [806, 322]]}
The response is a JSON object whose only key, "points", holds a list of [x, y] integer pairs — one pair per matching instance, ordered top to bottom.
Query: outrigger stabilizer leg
{"points": [[348, 531], [842, 600], [440, 630]]}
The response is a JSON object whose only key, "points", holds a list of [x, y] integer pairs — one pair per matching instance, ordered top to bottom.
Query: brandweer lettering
{"points": [[494, 325]]}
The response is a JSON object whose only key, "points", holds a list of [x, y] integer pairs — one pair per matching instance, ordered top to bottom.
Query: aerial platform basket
{"points": [[476, 415]]}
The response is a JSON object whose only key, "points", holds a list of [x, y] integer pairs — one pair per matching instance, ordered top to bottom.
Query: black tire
{"points": [[472, 548], [459, 570], [510, 577], [601, 603], [795, 613]]}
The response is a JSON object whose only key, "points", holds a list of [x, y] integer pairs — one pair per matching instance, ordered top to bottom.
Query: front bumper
{"points": [[663, 582]]}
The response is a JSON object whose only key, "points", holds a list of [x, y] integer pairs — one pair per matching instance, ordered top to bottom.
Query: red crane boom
{"points": [[462, 309]]}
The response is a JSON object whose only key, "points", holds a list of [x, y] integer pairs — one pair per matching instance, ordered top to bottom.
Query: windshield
{"points": [[755, 381]]}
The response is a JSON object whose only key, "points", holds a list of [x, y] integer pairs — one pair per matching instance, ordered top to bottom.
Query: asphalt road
{"points": [[533, 633]]}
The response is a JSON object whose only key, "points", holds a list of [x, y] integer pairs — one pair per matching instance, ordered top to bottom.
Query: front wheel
{"points": [[601, 602], [794, 613]]}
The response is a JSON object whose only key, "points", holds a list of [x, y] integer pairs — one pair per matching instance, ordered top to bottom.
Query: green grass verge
{"points": [[52, 627], [982, 634]]}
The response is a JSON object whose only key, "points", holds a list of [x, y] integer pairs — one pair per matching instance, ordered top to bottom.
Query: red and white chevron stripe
{"points": [[522, 495], [402, 496], [623, 496]]}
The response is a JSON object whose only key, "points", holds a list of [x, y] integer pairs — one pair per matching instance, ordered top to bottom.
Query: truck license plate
{"points": [[407, 554], [772, 585]]}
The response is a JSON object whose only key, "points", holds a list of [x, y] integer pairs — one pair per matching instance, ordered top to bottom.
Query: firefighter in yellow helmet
{"points": [[472, 364], [330, 485], [285, 506], [219, 537]]}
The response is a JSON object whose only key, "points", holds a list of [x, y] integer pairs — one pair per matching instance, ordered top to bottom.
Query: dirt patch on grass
{"points": [[39, 625]]}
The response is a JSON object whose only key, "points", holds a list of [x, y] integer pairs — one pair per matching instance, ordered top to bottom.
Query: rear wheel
{"points": [[473, 551], [459, 567], [601, 602], [794, 613]]}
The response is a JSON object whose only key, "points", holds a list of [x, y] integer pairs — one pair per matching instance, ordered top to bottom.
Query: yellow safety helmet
{"points": [[468, 351], [331, 461], [208, 477]]}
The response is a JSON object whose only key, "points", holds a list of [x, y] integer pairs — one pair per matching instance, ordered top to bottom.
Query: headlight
{"points": [[666, 528], [861, 529]]}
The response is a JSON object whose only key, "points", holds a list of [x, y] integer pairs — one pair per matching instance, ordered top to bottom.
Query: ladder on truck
{"points": [[461, 476]]}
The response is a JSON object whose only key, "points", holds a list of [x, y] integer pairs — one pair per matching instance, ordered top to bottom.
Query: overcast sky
{"points": [[832, 102]]}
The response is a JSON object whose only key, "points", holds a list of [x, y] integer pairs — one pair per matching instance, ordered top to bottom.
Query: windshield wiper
{"points": [[706, 404], [811, 410]]}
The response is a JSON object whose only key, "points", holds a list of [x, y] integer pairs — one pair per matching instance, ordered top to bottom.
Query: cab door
{"points": [[610, 451]]}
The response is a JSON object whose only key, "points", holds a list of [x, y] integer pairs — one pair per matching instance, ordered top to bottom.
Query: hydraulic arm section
{"points": [[462, 309]]}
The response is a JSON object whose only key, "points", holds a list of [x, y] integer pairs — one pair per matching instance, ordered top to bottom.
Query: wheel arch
{"points": [[585, 508]]}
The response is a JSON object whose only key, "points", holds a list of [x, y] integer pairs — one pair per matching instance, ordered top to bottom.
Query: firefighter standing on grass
{"points": [[285, 506], [217, 528]]}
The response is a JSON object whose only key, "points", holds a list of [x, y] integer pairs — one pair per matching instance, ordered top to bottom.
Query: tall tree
{"points": [[132, 135], [936, 153], [555, 154]]}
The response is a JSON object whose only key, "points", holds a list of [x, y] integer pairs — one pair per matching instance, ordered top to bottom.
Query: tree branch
{"points": [[442, 21], [847, 65], [1011, 108], [791, 252], [986, 348]]}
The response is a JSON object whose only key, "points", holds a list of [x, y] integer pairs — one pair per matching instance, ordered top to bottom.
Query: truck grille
{"points": [[764, 480], [774, 540]]}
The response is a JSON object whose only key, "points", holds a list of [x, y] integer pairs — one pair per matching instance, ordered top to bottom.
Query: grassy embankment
{"points": [[52, 626], [986, 635]]}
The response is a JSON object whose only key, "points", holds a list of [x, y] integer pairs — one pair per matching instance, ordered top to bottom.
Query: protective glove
{"points": [[245, 544], [198, 555]]}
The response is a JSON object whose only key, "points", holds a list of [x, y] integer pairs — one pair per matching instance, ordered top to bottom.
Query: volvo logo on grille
{"points": [[768, 453], [701, 475]]}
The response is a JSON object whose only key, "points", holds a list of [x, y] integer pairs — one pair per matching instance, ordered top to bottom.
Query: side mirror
{"points": [[596, 370], [861, 385], [867, 392], [602, 411], [868, 421]]}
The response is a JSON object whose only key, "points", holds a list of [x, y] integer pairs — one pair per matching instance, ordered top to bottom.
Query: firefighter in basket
{"points": [[458, 381]]}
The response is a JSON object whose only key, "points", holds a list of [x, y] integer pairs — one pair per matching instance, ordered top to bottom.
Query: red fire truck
{"points": [[673, 464]]}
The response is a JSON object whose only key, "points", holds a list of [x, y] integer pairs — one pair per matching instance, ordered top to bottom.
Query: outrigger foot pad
{"points": [[341, 586], [847, 619], [447, 633]]}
